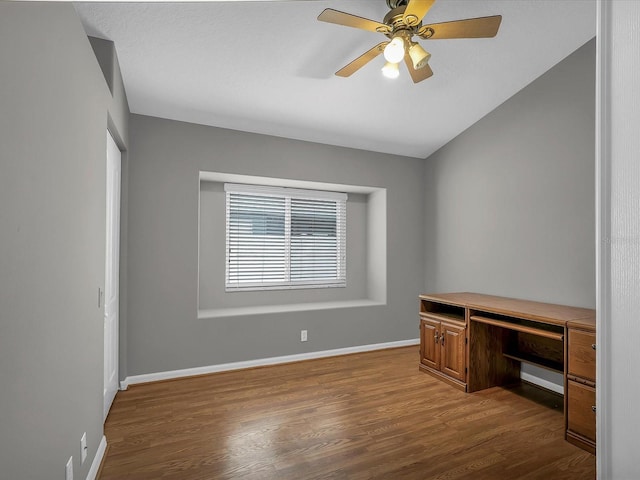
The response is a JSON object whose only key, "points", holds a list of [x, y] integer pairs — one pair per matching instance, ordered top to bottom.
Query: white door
{"points": [[112, 270]]}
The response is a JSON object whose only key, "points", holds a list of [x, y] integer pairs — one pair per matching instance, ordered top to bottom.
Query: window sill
{"points": [[293, 307]]}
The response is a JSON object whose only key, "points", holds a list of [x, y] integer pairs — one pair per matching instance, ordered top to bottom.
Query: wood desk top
{"points": [[526, 309], [588, 323]]}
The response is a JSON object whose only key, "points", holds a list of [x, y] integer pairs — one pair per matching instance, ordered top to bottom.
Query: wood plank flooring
{"points": [[361, 416]]}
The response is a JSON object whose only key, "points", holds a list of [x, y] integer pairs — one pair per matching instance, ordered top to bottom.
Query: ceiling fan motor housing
{"points": [[396, 3], [396, 22]]}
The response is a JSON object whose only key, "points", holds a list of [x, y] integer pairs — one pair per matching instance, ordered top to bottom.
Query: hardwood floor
{"points": [[361, 416]]}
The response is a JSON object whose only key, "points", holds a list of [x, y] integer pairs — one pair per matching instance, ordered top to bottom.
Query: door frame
{"points": [[111, 381]]}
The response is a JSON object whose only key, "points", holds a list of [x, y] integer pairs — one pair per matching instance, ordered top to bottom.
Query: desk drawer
{"points": [[582, 354], [581, 416]]}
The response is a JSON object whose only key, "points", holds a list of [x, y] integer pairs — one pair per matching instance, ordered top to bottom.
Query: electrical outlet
{"points": [[303, 335], [83, 448], [69, 469]]}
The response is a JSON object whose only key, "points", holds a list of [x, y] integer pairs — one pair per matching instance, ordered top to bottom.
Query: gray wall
{"points": [[107, 58], [54, 111], [510, 202], [164, 332]]}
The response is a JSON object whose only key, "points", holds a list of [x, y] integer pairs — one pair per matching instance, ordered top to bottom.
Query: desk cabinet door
{"points": [[430, 343], [452, 359]]}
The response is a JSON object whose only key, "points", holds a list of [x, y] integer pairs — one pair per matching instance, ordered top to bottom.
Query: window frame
{"points": [[340, 198]]}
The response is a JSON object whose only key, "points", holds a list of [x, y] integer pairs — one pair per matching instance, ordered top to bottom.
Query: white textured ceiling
{"points": [[267, 67]]}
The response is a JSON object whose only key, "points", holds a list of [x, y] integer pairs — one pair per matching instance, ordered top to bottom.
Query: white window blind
{"points": [[284, 238]]}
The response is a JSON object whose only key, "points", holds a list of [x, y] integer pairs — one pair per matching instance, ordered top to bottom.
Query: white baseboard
{"points": [[224, 367], [554, 387], [97, 460]]}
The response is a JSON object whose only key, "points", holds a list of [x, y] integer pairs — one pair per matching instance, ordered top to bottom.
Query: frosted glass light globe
{"points": [[394, 51], [419, 56], [390, 70]]}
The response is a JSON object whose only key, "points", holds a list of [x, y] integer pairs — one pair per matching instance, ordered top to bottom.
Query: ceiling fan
{"points": [[400, 25]]}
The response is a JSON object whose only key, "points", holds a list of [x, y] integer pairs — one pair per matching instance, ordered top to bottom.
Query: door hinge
{"points": [[466, 340], [466, 369]]}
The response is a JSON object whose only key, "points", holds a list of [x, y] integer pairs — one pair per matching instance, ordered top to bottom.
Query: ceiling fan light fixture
{"points": [[403, 22], [394, 51], [419, 56], [391, 70]]}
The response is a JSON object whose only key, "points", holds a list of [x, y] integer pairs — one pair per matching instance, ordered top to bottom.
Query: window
{"points": [[284, 238]]}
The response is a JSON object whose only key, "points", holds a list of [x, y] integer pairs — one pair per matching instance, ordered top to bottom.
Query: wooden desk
{"points": [[474, 341]]}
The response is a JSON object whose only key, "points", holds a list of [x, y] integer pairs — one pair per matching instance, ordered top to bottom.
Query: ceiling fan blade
{"points": [[416, 10], [341, 18], [483, 27], [361, 61], [419, 74]]}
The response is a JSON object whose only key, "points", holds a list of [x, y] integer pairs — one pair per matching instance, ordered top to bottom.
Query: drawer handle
{"points": [[436, 337], [442, 338], [593, 345], [593, 407]]}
